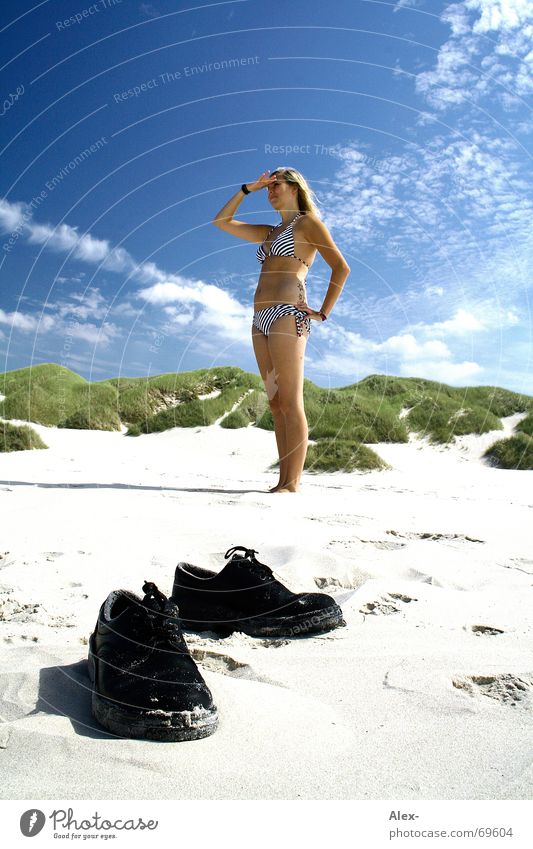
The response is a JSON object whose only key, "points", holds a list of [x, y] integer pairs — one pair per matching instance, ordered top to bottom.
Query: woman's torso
{"points": [[282, 278]]}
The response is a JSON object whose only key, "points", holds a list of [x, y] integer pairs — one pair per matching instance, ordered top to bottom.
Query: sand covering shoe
{"points": [[245, 596], [145, 682]]}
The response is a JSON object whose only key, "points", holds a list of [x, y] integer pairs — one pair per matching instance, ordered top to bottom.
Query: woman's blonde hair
{"points": [[305, 193]]}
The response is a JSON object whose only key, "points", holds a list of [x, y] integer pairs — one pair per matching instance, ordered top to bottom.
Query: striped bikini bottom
{"points": [[264, 319]]}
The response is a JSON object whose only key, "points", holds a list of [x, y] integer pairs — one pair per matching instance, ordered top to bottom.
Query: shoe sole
{"points": [[264, 626], [168, 726]]}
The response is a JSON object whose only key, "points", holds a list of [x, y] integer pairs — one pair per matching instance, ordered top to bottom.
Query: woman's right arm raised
{"points": [[224, 218]]}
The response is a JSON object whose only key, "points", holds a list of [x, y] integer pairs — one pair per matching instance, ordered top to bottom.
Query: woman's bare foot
{"points": [[276, 488], [289, 488]]}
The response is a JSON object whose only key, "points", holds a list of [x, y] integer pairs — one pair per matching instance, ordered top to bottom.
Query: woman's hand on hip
{"points": [[301, 305]]}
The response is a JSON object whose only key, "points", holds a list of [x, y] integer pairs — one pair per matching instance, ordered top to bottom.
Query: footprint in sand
{"points": [[436, 536], [384, 544], [520, 564], [415, 575], [351, 580], [328, 582], [386, 605], [12, 610], [485, 629], [217, 661], [227, 665], [508, 689]]}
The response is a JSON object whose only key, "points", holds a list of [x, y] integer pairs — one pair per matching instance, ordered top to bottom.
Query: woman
{"points": [[282, 317]]}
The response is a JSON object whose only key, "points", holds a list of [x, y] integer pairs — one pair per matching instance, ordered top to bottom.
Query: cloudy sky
{"points": [[126, 126]]}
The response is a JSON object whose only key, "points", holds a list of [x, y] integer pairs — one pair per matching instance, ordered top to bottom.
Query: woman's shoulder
{"points": [[307, 215], [311, 222]]}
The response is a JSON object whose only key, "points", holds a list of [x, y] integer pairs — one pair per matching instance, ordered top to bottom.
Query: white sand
{"points": [[409, 701]]}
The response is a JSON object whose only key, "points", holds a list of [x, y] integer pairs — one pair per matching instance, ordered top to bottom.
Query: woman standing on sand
{"points": [[282, 318]]}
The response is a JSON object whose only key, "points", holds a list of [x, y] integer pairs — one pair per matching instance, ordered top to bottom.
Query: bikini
{"points": [[283, 245]]}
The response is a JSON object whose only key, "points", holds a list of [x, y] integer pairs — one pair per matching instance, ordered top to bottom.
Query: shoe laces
{"points": [[263, 572], [162, 614]]}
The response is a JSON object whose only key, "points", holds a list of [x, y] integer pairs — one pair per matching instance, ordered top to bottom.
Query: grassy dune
{"points": [[342, 421], [19, 438], [515, 452], [344, 455]]}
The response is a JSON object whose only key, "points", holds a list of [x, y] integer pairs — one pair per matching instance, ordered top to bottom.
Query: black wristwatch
{"points": [[244, 189]]}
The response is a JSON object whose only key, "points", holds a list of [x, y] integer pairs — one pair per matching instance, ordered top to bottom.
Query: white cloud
{"points": [[405, 4], [500, 14], [457, 17], [504, 57], [460, 211], [12, 215], [86, 248], [74, 278], [81, 305], [125, 308], [217, 308], [179, 317], [488, 317], [67, 319], [27, 322], [463, 322], [101, 334], [407, 347], [352, 356], [335, 366], [441, 370]]}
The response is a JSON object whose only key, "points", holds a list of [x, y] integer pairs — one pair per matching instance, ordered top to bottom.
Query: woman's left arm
{"points": [[318, 235]]}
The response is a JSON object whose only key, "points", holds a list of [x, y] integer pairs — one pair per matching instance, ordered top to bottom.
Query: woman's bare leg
{"points": [[287, 351], [266, 370], [280, 430]]}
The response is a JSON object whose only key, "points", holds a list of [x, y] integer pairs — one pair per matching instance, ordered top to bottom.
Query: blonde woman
{"points": [[282, 318]]}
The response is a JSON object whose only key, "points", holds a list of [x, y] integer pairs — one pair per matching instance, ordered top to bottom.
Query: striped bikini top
{"points": [[283, 244]]}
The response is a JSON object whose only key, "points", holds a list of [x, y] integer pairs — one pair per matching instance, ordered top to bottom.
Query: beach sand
{"points": [[427, 693]]}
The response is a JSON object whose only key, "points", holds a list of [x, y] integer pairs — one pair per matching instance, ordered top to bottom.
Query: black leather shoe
{"points": [[245, 596], [145, 682]]}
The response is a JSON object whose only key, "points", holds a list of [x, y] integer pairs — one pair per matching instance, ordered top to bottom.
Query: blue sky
{"points": [[126, 126]]}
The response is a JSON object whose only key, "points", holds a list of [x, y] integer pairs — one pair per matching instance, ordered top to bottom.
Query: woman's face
{"points": [[281, 194]]}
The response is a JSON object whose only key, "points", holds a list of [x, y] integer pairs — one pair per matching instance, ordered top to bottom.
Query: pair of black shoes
{"points": [[145, 682]]}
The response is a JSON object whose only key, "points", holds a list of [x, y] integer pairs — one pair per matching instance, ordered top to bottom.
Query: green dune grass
{"points": [[45, 394], [379, 408], [249, 411], [150, 412], [526, 425], [19, 438], [515, 452], [342, 455]]}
